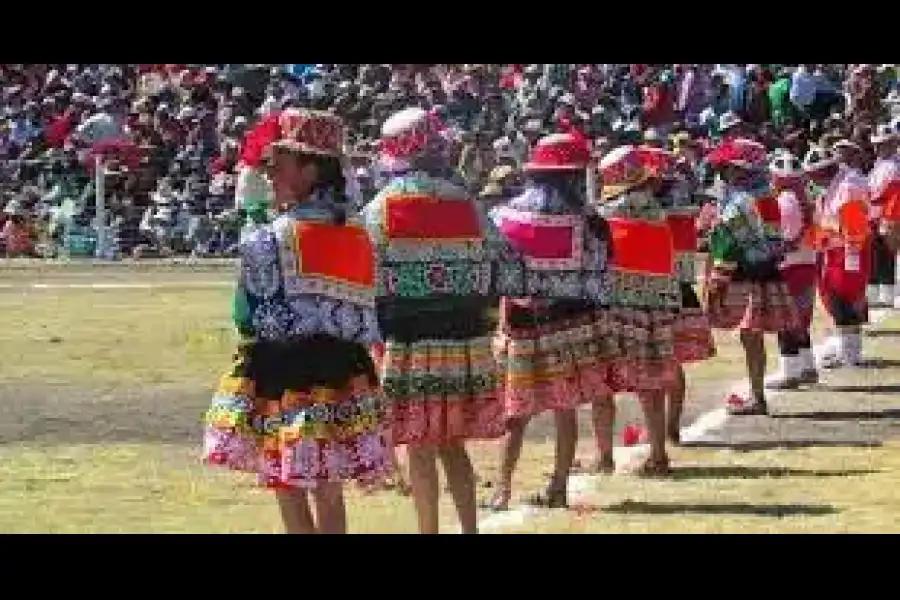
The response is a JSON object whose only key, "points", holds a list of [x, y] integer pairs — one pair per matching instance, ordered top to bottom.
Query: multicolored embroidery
{"points": [[432, 240], [560, 258], [642, 289], [301, 291], [301, 439]]}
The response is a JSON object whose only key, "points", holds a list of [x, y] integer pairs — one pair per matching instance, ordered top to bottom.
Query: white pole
{"points": [[100, 205]]}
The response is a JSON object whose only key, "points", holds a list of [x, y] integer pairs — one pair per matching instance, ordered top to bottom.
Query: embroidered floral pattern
{"points": [[306, 306], [301, 439]]}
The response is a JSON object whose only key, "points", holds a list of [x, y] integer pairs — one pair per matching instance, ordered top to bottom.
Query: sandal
{"points": [[654, 468], [552, 497], [498, 501]]}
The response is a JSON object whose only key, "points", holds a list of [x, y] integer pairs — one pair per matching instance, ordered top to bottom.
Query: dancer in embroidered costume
{"points": [[884, 185], [844, 239], [438, 257], [798, 268], [744, 288], [647, 296], [692, 335], [557, 345], [301, 406]]}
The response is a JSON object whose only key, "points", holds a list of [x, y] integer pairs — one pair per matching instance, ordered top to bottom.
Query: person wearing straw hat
{"points": [[884, 185], [844, 240], [438, 255], [798, 268], [744, 288], [557, 346], [301, 406]]}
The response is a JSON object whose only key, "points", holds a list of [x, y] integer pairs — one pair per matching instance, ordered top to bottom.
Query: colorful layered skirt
{"points": [[752, 303], [691, 332], [645, 338], [556, 356], [438, 372], [299, 413]]}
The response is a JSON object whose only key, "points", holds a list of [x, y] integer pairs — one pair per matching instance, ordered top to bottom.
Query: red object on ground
{"points": [[632, 435]]}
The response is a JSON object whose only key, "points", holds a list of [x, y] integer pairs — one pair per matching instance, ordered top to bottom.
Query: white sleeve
{"points": [[791, 215]]}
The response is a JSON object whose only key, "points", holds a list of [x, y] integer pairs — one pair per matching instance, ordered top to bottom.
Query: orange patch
{"points": [[421, 217], [684, 232], [642, 247], [340, 253]]}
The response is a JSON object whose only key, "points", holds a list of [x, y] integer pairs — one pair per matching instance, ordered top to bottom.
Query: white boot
{"points": [[872, 294], [886, 295], [896, 301], [851, 349], [829, 353], [808, 372], [788, 375]]}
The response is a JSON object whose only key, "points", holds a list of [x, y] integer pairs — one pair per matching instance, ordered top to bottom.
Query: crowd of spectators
{"points": [[168, 136]]}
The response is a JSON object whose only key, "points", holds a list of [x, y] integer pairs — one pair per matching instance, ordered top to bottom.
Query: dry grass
{"points": [[180, 340]]}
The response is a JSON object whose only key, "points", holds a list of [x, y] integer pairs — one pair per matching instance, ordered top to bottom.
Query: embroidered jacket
{"points": [[562, 258], [644, 273], [304, 275]]}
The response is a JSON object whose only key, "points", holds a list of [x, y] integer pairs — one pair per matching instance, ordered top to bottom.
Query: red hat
{"points": [[301, 130], [559, 152], [738, 153]]}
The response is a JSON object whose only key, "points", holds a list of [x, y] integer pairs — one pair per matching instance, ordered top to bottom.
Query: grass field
{"points": [[103, 392]]}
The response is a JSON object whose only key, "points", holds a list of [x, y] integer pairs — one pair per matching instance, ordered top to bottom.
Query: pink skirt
{"points": [[559, 365], [441, 391]]}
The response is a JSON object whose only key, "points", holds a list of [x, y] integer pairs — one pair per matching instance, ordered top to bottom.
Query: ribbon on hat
{"points": [[264, 134]]}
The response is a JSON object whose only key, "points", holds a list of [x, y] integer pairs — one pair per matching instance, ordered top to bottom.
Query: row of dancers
{"points": [[425, 322]]}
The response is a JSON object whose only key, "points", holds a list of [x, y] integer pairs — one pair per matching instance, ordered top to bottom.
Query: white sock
{"points": [[850, 348], [807, 360]]}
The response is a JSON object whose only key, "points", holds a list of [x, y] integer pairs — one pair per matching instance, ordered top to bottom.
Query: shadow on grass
{"points": [[883, 333], [880, 363], [891, 389], [853, 415], [757, 446], [742, 472], [736, 509]]}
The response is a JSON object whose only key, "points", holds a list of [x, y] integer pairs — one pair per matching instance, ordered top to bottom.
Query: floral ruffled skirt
{"points": [[297, 435]]}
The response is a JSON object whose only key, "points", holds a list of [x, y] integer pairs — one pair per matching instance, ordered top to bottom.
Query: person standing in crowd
{"points": [[884, 185], [845, 243], [436, 254], [798, 268], [744, 288], [557, 345], [301, 406]]}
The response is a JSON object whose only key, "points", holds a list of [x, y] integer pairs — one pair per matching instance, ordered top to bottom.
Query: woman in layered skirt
{"points": [[437, 257], [744, 288], [648, 299], [557, 344], [301, 407]]}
